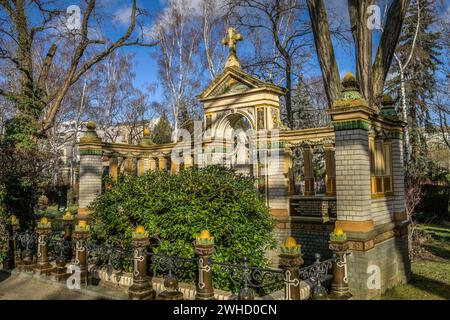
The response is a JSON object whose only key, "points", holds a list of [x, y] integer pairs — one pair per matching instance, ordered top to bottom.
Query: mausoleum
{"points": [[348, 174]]}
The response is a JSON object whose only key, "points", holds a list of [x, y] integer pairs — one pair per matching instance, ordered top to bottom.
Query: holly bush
{"points": [[174, 208]]}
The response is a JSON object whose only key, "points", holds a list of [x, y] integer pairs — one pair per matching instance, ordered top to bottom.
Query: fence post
{"points": [[43, 229], [80, 235], [339, 246], [204, 248], [13, 257], [291, 261], [60, 271], [142, 287]]}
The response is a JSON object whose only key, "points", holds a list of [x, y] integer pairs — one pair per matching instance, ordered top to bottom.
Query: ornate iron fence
{"points": [[33, 250]]}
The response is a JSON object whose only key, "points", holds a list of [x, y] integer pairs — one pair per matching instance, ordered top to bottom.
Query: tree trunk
{"points": [[362, 36], [388, 43], [324, 49], [405, 117]]}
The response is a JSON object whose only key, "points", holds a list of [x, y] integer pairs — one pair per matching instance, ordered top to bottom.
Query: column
{"points": [[351, 121], [188, 161], [163, 163], [151, 164], [140, 166], [91, 168], [113, 168], [330, 168], [308, 169], [289, 171], [278, 183]]}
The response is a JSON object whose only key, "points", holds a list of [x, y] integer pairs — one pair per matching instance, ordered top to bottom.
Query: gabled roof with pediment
{"points": [[235, 81]]}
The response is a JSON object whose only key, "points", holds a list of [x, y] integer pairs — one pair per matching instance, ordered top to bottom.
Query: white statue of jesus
{"points": [[240, 156]]}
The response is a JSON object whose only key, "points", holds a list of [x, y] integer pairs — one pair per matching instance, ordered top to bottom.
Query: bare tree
{"points": [[282, 21], [21, 32]]}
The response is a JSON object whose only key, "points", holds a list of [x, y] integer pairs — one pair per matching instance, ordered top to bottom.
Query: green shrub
{"points": [[173, 209]]}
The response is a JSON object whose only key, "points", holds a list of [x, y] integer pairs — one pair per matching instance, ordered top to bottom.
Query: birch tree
{"points": [[179, 35]]}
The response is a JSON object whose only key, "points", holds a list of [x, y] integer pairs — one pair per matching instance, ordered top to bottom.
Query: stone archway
{"points": [[236, 129]]}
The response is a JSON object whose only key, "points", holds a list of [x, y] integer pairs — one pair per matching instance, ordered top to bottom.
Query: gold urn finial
{"points": [[230, 40], [146, 132], [14, 220], [44, 223], [140, 233], [338, 234], [204, 238], [291, 246]]}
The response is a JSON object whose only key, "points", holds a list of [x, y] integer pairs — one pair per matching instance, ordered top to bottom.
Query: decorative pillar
{"points": [[350, 116], [188, 161], [163, 163], [151, 164], [129, 165], [140, 166], [175, 167], [91, 168], [113, 168], [308, 169], [330, 169], [289, 172], [277, 182], [43, 229], [80, 236], [204, 248], [13, 253], [291, 261], [59, 272], [339, 285], [142, 288]]}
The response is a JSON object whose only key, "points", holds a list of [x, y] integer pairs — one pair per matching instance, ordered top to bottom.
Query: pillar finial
{"points": [[90, 136]]}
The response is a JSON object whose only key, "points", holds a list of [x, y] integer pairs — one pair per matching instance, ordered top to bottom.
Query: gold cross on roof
{"points": [[230, 40]]}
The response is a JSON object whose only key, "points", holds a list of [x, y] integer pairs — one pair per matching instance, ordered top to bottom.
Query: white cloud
{"points": [[123, 16]]}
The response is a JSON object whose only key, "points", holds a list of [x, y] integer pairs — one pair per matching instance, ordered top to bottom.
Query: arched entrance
{"points": [[236, 131]]}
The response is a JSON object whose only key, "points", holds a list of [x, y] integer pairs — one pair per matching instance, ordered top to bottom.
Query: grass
{"points": [[430, 278]]}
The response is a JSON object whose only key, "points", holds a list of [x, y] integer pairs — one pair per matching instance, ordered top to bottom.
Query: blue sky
{"points": [[145, 66]]}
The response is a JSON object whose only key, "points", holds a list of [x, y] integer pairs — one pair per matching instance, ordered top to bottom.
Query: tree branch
{"points": [[324, 49]]}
